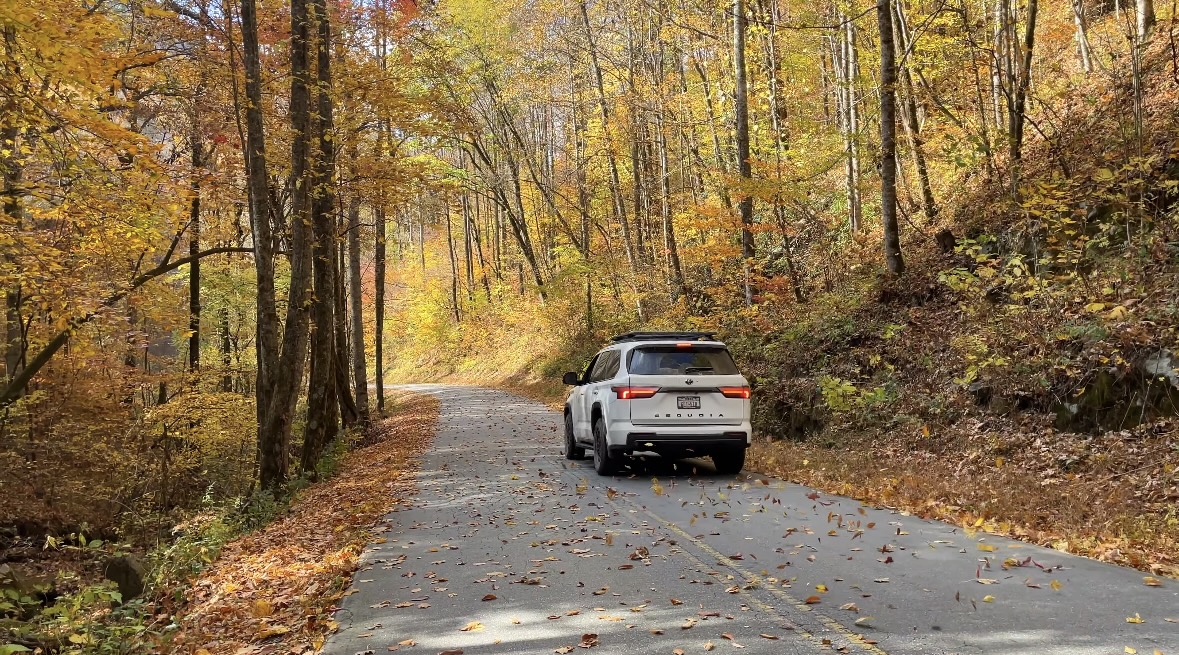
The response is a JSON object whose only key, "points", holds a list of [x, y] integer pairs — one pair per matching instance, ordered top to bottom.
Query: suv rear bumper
{"points": [[626, 438]]}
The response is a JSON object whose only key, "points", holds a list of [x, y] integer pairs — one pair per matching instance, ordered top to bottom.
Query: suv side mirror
{"points": [[571, 379]]}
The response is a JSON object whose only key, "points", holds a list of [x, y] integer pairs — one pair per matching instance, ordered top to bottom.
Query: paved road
{"points": [[676, 557]]}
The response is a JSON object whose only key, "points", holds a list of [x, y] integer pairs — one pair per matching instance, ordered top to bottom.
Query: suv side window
{"points": [[606, 366], [589, 368]]}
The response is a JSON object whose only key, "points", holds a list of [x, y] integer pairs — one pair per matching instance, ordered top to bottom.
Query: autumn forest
{"points": [[941, 237]]}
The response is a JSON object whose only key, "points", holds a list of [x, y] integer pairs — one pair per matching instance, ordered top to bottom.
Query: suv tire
{"points": [[572, 450], [729, 462], [603, 463]]}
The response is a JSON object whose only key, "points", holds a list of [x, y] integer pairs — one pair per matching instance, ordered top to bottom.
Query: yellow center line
{"points": [[760, 583]]}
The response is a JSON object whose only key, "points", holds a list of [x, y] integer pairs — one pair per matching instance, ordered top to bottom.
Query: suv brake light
{"points": [[735, 392], [632, 393]]}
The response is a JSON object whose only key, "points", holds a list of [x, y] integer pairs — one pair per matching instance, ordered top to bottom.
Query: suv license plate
{"points": [[687, 402]]}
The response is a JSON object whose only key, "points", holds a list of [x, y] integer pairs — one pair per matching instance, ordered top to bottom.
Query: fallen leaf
{"points": [[987, 548], [986, 581], [1151, 581], [1055, 584], [821, 588], [490, 597], [988, 598], [813, 600], [676, 601], [850, 607], [1134, 619], [865, 621], [473, 626], [770, 637], [588, 640], [708, 645], [563, 649]]}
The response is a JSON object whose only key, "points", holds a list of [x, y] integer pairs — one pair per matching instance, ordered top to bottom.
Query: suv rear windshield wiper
{"points": [[698, 369]]}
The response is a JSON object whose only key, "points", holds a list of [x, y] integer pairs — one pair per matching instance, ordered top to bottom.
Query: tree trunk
{"points": [[1146, 19], [1082, 35], [852, 61], [1016, 116], [909, 119], [888, 129], [744, 167], [13, 171], [615, 179], [194, 247], [454, 302], [379, 307], [226, 348], [341, 360], [359, 363], [322, 425], [272, 438]]}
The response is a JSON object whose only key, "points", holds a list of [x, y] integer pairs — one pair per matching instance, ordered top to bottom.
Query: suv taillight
{"points": [[735, 392], [632, 393]]}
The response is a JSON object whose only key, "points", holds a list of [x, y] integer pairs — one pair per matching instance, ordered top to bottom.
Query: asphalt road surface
{"points": [[509, 548]]}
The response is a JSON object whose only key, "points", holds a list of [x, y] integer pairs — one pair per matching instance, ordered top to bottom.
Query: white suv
{"points": [[677, 394]]}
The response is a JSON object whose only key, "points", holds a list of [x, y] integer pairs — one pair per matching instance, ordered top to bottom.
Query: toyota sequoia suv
{"points": [[676, 394]]}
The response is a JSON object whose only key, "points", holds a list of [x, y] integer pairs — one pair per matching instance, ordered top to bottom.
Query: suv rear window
{"points": [[673, 360]]}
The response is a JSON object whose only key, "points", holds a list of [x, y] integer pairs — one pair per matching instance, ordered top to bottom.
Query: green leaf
{"points": [[9, 649]]}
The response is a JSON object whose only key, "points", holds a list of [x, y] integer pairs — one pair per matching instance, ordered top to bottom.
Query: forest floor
{"points": [[273, 591]]}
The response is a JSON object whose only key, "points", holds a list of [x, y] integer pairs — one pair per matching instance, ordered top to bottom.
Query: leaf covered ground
{"points": [[272, 591]]}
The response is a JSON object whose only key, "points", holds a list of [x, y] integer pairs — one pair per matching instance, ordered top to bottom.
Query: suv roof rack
{"points": [[659, 336]]}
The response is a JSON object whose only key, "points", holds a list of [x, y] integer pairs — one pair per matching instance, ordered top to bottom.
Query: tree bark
{"points": [[1146, 19], [1082, 23], [1016, 116], [909, 119], [888, 128], [744, 167], [615, 179], [194, 248], [454, 302], [379, 307], [359, 359], [322, 425], [272, 439]]}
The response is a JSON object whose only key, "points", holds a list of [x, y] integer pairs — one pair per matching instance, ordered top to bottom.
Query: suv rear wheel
{"points": [[572, 450], [729, 462], [603, 463]]}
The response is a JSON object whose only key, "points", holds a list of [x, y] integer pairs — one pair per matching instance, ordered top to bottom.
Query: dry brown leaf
{"points": [[489, 597], [812, 600], [473, 626], [769, 636], [588, 640]]}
